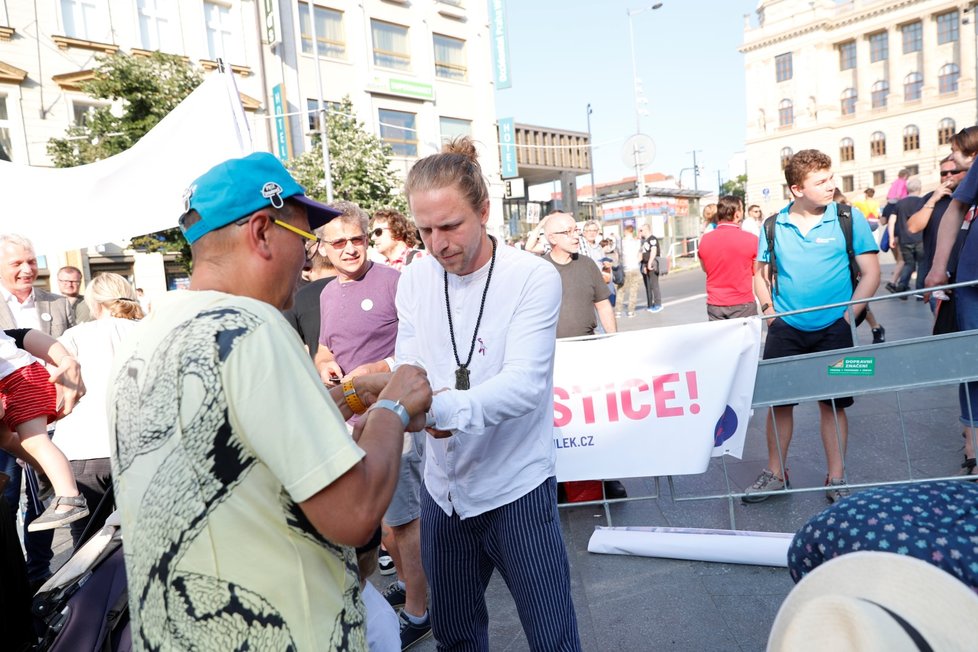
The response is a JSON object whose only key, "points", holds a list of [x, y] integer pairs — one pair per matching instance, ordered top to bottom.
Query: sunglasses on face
{"points": [[945, 173], [379, 231], [357, 240]]}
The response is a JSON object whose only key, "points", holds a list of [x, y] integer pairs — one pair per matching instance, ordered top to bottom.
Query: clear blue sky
{"points": [[565, 54]]}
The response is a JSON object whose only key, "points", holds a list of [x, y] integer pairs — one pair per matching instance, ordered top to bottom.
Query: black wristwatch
{"points": [[765, 306]]}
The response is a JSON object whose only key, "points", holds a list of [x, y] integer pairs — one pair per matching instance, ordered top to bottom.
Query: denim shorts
{"points": [[406, 504]]}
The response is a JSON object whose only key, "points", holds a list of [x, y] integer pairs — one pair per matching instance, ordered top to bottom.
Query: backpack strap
{"points": [[844, 212], [772, 262]]}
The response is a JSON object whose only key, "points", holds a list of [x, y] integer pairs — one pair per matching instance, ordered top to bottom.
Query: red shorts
{"points": [[28, 393]]}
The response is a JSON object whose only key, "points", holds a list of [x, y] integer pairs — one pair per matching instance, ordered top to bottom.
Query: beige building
{"points": [[416, 72], [879, 85]]}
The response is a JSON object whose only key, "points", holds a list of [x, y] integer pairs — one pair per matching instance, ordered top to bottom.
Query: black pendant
{"points": [[462, 378]]}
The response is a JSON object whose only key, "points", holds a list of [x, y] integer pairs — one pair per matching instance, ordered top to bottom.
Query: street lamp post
{"points": [[639, 99], [590, 145]]}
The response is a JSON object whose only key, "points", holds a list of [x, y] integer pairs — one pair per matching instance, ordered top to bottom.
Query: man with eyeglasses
{"points": [[928, 218], [395, 238], [590, 244], [69, 285], [357, 336], [240, 489]]}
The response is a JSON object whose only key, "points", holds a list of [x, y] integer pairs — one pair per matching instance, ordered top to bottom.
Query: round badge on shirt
{"points": [[367, 305], [45, 316]]}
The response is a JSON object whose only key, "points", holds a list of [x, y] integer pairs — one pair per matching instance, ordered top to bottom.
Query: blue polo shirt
{"points": [[813, 270]]}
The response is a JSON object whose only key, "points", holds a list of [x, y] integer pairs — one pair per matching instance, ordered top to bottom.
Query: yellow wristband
{"points": [[352, 400]]}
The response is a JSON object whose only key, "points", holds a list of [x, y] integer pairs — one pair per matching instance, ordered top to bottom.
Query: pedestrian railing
{"points": [[902, 365]]}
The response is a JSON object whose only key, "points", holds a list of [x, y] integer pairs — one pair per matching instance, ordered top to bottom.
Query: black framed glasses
{"points": [[945, 173], [379, 231], [569, 233], [340, 243]]}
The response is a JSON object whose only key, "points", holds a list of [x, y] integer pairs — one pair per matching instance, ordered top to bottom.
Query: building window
{"points": [[85, 19], [155, 25], [947, 27], [329, 31], [913, 37], [222, 42], [390, 45], [879, 46], [847, 55], [450, 58], [782, 67], [947, 79], [913, 85], [881, 90], [849, 101], [81, 111], [312, 111], [786, 113], [452, 128], [397, 129], [945, 130], [911, 138], [877, 144], [847, 149], [6, 153], [786, 154], [912, 170], [879, 177], [847, 183]]}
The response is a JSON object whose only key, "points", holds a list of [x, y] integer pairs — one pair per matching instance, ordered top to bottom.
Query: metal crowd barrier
{"points": [[910, 364]]}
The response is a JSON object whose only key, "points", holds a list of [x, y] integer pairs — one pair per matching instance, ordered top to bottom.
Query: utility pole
{"points": [[590, 145]]}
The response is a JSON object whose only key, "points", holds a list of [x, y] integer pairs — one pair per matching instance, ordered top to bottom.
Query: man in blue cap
{"points": [[240, 490]]}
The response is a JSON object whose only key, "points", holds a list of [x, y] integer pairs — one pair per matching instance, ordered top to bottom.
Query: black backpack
{"points": [[845, 221]]}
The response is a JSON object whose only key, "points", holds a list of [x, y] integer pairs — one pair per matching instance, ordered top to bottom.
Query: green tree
{"points": [[145, 89], [359, 162], [736, 187]]}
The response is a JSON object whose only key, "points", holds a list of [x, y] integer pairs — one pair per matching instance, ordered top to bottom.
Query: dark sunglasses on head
{"points": [[945, 173]]}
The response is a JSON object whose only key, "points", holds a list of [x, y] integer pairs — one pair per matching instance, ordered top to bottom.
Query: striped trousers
{"points": [[521, 540]]}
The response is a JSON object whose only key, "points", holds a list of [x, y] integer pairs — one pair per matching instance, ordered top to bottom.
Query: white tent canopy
{"points": [[136, 192]]}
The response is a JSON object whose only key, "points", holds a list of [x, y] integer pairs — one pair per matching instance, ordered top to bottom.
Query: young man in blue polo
{"points": [[812, 269]]}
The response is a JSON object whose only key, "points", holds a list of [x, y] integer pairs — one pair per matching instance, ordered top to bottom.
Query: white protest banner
{"points": [[137, 191], [660, 401]]}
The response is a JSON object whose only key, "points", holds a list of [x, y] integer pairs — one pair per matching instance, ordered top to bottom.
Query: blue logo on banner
{"points": [[726, 426]]}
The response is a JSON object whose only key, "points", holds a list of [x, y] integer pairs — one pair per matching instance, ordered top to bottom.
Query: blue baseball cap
{"points": [[240, 186]]}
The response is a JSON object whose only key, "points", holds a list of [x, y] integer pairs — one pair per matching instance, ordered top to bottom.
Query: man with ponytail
{"points": [[481, 319]]}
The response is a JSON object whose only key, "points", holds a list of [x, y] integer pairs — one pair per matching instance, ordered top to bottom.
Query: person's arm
{"points": [[919, 220], [946, 236], [536, 240], [869, 280], [762, 288], [606, 315], [329, 370], [67, 372], [349, 509]]}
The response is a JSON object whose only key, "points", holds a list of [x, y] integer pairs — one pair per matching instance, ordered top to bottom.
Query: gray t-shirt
{"points": [[582, 288]]}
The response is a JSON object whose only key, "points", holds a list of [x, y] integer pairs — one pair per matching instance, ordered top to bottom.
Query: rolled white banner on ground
{"points": [[725, 546]]}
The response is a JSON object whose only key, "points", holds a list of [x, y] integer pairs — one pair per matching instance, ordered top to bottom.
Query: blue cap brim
{"points": [[319, 214]]}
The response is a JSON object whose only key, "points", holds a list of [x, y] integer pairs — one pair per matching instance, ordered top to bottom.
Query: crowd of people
{"points": [[339, 392]]}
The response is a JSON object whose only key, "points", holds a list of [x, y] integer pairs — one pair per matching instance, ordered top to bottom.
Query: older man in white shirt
{"points": [[25, 306], [481, 318]]}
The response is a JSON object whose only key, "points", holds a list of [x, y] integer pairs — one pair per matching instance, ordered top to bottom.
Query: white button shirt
{"points": [[24, 314], [502, 447]]}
